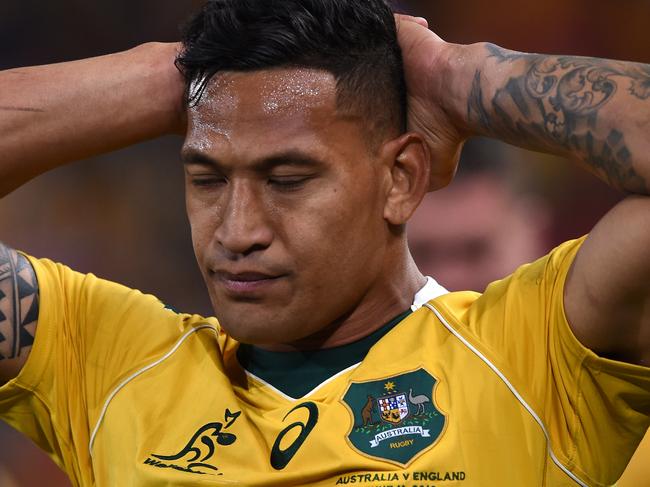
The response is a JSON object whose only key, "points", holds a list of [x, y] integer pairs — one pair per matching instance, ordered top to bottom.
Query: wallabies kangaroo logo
{"points": [[200, 448]]}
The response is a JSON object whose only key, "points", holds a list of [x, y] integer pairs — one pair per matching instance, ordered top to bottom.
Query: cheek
{"points": [[203, 220], [339, 230], [338, 250]]}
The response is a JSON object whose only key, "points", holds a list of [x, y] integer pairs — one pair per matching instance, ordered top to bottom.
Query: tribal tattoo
{"points": [[555, 103], [18, 304]]}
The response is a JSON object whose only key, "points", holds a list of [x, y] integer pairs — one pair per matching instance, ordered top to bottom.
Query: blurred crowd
{"points": [[121, 215]]}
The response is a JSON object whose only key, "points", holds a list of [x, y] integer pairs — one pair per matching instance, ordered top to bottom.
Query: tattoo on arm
{"points": [[555, 103], [18, 304]]}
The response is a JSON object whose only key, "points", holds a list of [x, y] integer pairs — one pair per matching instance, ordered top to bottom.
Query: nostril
{"points": [[255, 248], [234, 250]]}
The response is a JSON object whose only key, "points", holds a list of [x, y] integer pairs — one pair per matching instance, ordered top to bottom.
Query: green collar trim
{"points": [[297, 373]]}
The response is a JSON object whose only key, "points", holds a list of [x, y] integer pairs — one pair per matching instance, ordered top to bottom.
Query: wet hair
{"points": [[354, 40]]}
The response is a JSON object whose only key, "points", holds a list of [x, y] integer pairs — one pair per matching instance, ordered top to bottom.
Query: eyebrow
{"points": [[292, 158]]}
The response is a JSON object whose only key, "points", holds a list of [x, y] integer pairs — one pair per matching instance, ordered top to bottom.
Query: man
{"points": [[333, 359]]}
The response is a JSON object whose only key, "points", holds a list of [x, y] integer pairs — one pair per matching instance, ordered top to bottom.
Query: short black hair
{"points": [[354, 40]]}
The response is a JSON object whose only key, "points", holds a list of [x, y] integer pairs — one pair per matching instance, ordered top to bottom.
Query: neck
{"points": [[389, 295]]}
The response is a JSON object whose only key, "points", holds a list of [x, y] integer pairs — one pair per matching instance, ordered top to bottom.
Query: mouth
{"points": [[246, 284]]}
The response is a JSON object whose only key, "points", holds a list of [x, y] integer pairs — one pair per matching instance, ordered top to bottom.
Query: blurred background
{"points": [[121, 215]]}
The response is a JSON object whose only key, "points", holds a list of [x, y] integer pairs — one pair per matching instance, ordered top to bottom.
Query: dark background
{"points": [[121, 216]]}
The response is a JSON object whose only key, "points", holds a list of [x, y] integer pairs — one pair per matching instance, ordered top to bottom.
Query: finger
{"points": [[409, 18]]}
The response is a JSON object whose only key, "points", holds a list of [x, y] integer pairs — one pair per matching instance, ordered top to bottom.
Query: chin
{"points": [[256, 323], [250, 332]]}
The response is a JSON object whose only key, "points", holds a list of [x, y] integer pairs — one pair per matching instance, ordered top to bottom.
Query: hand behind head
{"points": [[426, 58]]}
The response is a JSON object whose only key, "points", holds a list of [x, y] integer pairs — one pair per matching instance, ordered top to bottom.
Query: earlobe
{"points": [[408, 160]]}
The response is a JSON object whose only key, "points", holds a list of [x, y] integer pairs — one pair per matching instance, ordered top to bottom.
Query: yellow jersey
{"points": [[468, 390]]}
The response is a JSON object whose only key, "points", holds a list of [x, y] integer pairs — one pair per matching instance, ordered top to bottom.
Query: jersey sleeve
{"points": [[91, 333], [595, 410]]}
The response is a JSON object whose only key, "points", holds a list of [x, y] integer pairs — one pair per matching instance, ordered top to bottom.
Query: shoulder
{"points": [[523, 308], [103, 326]]}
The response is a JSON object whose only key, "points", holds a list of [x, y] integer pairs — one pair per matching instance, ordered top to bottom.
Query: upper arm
{"points": [[607, 293], [18, 311]]}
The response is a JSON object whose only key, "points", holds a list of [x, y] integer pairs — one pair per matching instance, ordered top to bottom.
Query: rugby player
{"points": [[331, 359]]}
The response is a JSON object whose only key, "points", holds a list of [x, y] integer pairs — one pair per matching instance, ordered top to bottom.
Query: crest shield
{"points": [[393, 408], [394, 418]]}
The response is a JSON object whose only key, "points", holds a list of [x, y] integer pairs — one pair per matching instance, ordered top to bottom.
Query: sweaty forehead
{"points": [[264, 96]]}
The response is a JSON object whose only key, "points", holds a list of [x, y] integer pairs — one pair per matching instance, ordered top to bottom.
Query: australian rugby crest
{"points": [[394, 418]]}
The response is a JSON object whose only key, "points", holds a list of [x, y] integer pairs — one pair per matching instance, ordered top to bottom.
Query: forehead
{"points": [[284, 102]]}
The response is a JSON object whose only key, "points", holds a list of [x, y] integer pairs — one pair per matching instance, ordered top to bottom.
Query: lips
{"points": [[245, 283]]}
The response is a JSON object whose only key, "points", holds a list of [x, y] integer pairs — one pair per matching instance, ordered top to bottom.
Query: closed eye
{"points": [[207, 181], [288, 183]]}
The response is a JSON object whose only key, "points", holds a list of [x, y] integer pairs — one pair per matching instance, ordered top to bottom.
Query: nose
{"points": [[244, 226]]}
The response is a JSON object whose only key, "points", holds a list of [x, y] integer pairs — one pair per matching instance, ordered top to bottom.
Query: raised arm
{"points": [[593, 111], [55, 114], [51, 115]]}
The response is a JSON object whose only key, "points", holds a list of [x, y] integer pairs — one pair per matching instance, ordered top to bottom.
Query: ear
{"points": [[407, 161]]}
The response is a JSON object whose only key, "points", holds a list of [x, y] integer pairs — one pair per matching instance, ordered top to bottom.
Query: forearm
{"points": [[594, 111], [54, 114]]}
